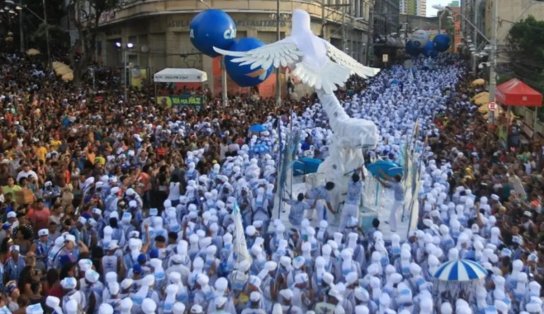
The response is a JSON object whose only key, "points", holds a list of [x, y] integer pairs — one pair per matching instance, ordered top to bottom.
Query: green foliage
{"points": [[526, 49]]}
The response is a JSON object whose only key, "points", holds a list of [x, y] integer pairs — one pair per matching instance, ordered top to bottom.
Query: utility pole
{"points": [[21, 32], [46, 34], [278, 37], [370, 48], [493, 57]]}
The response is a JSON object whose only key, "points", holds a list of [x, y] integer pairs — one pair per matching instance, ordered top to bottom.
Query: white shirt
{"points": [[25, 174], [174, 193]]}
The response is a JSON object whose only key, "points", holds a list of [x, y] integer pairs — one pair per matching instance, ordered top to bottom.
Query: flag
{"points": [[239, 240]]}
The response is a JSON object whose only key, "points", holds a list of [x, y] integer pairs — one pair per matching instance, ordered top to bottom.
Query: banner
{"points": [[137, 77], [182, 100], [240, 247]]}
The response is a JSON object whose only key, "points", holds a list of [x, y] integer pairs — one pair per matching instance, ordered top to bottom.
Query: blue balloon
{"points": [[212, 28], [441, 42], [412, 48], [428, 50], [243, 75]]}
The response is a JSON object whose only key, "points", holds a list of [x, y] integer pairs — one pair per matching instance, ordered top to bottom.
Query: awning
{"points": [[175, 75], [516, 93]]}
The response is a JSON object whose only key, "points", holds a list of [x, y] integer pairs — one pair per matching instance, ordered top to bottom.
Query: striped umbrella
{"points": [[460, 270]]}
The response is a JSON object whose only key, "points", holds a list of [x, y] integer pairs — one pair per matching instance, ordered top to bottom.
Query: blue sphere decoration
{"points": [[212, 28], [441, 42], [412, 48], [428, 50], [243, 75]]}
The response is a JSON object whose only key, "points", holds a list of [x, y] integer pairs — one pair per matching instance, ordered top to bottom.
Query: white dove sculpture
{"points": [[317, 63]]}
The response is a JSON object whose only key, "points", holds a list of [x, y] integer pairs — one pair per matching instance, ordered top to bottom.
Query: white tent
{"points": [[175, 75]]}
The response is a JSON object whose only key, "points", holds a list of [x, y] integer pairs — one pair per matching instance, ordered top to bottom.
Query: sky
{"points": [[430, 3]]}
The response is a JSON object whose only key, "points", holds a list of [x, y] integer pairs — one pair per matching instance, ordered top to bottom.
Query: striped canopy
{"points": [[460, 270]]}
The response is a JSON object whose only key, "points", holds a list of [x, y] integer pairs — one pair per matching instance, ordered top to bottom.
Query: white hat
{"points": [[12, 214], [43, 232], [70, 237], [85, 264], [270, 265], [92, 276], [351, 278], [203, 280], [255, 281], [68, 283], [126, 283], [221, 284], [114, 288], [287, 294], [255, 296], [52, 301], [220, 302], [125, 305], [149, 306], [105, 308], [178, 308], [34, 309], [196, 309]]}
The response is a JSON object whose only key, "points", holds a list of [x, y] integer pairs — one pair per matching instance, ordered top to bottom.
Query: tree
{"points": [[86, 15], [526, 50]]}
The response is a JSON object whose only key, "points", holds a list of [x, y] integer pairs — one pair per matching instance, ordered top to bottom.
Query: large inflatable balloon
{"points": [[212, 28], [420, 37], [441, 42], [413, 48], [428, 50], [243, 75], [384, 167]]}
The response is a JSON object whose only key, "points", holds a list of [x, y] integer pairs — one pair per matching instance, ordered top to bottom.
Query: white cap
{"points": [[43, 232], [85, 264], [92, 276], [68, 283], [126, 283], [221, 284], [287, 294], [255, 296], [221, 301], [125, 305], [149, 306], [105, 308], [178, 308], [34, 309], [197, 309]]}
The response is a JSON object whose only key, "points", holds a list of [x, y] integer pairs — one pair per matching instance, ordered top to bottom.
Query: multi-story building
{"points": [[413, 7], [422, 7], [160, 29], [386, 29]]}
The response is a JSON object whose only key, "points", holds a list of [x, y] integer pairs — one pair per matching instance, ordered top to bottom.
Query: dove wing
{"points": [[281, 53], [343, 59]]}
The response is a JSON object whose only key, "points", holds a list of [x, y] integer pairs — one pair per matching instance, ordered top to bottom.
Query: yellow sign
{"points": [[137, 77]]}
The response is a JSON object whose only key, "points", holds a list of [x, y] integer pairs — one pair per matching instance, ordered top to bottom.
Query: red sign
{"points": [[492, 106]]}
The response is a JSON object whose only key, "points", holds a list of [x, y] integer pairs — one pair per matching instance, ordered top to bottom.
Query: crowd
{"points": [[113, 206]]}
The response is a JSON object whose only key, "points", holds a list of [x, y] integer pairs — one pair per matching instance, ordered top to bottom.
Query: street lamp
{"points": [[19, 8], [125, 49]]}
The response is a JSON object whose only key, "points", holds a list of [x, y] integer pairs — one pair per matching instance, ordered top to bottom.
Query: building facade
{"points": [[413, 7], [422, 7], [160, 29], [385, 30]]}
